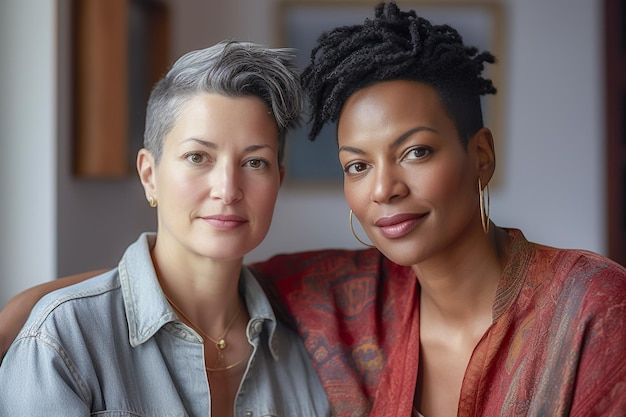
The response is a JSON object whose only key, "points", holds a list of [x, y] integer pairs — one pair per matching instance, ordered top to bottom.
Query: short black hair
{"points": [[396, 45]]}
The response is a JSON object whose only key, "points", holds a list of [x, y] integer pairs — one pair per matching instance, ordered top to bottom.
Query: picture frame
{"points": [[300, 22], [120, 49]]}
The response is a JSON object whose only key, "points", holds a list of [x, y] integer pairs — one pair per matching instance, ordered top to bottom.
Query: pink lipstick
{"points": [[225, 221], [399, 225]]}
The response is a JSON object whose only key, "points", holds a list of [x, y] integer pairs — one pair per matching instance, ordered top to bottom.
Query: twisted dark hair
{"points": [[396, 45]]}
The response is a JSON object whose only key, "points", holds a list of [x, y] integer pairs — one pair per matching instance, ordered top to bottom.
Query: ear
{"points": [[482, 145], [146, 168], [281, 172]]}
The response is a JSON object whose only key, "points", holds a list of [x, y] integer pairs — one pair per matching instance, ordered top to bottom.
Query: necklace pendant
{"points": [[221, 344]]}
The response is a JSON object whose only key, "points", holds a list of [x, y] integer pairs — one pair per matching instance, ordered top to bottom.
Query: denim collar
{"points": [[147, 309]]}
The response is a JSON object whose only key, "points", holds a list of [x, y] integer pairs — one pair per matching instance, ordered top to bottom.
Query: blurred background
{"points": [[555, 178]]}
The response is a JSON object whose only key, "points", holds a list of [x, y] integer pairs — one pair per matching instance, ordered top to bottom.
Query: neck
{"points": [[462, 284], [204, 290]]}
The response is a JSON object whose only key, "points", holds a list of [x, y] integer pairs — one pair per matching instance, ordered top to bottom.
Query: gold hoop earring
{"points": [[152, 201], [484, 208], [354, 233]]}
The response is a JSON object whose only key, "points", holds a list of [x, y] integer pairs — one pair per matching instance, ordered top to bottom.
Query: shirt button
{"points": [[258, 327], [248, 413]]}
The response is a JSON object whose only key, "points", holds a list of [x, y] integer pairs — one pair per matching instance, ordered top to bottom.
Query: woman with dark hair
{"points": [[506, 327]]}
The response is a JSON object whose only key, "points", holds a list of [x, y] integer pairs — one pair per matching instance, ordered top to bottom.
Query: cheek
{"points": [[442, 185], [453, 187], [180, 188], [356, 196], [262, 198], [265, 204]]}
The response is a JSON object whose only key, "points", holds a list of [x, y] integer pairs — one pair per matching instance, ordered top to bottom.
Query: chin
{"points": [[226, 248], [221, 252], [403, 255], [403, 261]]}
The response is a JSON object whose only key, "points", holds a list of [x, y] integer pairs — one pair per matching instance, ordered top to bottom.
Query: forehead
{"points": [[393, 106], [216, 114]]}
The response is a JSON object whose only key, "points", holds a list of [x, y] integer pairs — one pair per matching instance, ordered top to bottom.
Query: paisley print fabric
{"points": [[557, 345]]}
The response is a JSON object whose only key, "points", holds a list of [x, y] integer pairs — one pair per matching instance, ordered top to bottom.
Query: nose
{"points": [[226, 183], [388, 184]]}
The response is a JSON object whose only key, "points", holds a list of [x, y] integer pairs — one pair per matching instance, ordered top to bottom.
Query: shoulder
{"points": [[538, 263], [579, 266], [599, 281], [579, 283], [584, 283], [82, 301]]}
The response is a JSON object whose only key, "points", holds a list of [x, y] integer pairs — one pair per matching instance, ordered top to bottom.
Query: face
{"points": [[407, 177], [218, 178]]}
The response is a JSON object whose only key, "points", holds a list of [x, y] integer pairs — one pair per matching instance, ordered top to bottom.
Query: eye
{"points": [[418, 152], [195, 157], [257, 163], [355, 168]]}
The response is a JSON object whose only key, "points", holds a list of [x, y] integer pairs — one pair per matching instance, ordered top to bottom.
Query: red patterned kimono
{"points": [[557, 345]]}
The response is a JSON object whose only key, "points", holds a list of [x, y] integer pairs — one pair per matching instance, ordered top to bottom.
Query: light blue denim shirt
{"points": [[112, 346]]}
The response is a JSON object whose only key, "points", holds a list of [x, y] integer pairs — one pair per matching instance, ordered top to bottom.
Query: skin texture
{"points": [[402, 157], [215, 164], [414, 188]]}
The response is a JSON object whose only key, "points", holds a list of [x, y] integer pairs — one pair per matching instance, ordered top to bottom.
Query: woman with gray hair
{"points": [[180, 327]]}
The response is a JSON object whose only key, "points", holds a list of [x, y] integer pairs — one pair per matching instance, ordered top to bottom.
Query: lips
{"points": [[225, 221], [397, 226]]}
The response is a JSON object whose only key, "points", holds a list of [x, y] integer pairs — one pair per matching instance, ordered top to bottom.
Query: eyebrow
{"points": [[397, 142], [205, 143], [212, 145]]}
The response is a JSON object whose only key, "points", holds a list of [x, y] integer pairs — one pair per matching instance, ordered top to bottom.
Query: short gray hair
{"points": [[231, 69]]}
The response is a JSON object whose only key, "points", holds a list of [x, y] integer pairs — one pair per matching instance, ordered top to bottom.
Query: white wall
{"points": [[27, 144], [555, 164], [552, 183]]}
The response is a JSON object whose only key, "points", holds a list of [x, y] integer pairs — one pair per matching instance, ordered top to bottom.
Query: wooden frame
{"points": [[300, 22], [120, 50]]}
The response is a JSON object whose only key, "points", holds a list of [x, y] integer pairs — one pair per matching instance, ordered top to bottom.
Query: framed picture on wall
{"points": [[300, 22], [120, 49]]}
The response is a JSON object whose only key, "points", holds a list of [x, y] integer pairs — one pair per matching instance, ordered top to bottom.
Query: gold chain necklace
{"points": [[220, 343], [231, 366]]}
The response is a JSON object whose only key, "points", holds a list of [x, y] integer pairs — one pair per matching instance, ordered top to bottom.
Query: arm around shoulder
{"points": [[14, 314]]}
